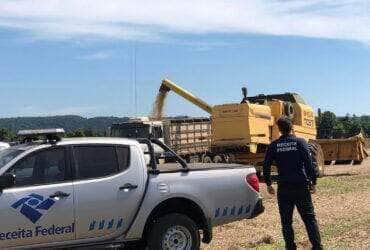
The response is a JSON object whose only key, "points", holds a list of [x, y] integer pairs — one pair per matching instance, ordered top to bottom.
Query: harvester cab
{"points": [[293, 106]]}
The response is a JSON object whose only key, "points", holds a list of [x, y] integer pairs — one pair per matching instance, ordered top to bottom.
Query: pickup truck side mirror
{"points": [[6, 181]]}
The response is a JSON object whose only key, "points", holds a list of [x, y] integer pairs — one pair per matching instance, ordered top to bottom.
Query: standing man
{"points": [[296, 182]]}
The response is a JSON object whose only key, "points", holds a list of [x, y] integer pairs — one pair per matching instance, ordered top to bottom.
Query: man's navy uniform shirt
{"points": [[292, 159]]}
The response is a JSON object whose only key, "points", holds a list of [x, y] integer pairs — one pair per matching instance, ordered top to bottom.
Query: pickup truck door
{"points": [[109, 186], [39, 208]]}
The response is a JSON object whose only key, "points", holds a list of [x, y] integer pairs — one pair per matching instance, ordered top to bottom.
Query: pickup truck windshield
{"points": [[7, 155]]}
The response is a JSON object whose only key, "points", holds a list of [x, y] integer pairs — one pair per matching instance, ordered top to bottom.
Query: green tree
{"points": [[326, 124], [352, 125], [339, 130], [84, 132], [88, 132], [76, 133], [6, 135]]}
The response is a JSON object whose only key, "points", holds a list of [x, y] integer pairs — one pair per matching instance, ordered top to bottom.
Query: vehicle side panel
{"points": [[223, 195], [102, 208]]}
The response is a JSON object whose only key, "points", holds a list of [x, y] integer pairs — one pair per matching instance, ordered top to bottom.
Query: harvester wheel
{"points": [[317, 158]]}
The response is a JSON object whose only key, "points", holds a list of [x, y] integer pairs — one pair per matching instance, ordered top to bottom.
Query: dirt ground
{"points": [[342, 206]]}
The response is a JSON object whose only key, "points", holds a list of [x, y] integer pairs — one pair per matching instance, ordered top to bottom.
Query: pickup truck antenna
{"points": [[134, 76]]}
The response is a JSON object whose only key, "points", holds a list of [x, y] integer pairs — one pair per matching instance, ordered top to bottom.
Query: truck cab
{"points": [[293, 106], [141, 127], [69, 192]]}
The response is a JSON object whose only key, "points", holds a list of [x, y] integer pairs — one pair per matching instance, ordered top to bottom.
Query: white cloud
{"points": [[151, 20], [101, 55]]}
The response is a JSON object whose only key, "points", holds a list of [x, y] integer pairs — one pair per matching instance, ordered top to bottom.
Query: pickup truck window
{"points": [[123, 154], [7, 155], [96, 161], [44, 167]]}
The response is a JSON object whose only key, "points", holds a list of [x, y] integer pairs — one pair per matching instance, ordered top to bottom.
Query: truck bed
{"points": [[175, 167]]}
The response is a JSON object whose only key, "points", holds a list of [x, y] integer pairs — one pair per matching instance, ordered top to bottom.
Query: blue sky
{"points": [[77, 57]]}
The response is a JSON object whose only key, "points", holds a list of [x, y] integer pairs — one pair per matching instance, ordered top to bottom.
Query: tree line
{"points": [[75, 126], [330, 126], [7, 135]]}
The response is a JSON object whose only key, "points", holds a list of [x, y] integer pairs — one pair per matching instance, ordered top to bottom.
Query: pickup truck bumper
{"points": [[258, 209]]}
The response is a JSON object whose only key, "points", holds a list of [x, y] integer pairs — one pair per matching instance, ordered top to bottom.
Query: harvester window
{"points": [[299, 99]]}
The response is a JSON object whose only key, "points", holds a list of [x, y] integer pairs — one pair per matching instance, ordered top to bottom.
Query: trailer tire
{"points": [[231, 158], [317, 158], [193, 159], [207, 159], [218, 159], [176, 230]]}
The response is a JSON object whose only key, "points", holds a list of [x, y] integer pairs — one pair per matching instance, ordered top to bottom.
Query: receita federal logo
{"points": [[33, 206]]}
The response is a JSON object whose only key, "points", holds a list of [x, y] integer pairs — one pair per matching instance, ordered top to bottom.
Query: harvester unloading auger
{"points": [[167, 86], [241, 132]]}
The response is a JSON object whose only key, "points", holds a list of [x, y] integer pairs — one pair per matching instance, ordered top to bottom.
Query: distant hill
{"points": [[68, 122]]}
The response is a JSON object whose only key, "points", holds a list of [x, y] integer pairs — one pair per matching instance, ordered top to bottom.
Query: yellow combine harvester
{"points": [[241, 132]]}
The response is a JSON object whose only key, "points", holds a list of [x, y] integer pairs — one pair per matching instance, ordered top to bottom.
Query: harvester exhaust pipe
{"points": [[245, 95]]}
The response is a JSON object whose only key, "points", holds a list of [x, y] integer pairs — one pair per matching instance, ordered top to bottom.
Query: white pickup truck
{"points": [[109, 192]]}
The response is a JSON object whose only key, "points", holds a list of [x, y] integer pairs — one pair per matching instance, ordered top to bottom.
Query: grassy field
{"points": [[342, 205]]}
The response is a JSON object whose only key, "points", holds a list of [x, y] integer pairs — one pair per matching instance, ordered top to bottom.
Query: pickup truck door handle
{"points": [[127, 187], [59, 194]]}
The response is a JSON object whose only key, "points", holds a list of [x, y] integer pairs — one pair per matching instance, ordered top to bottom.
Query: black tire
{"points": [[289, 110], [231, 158], [317, 158], [194, 159], [207, 159], [218, 159], [343, 162], [158, 231]]}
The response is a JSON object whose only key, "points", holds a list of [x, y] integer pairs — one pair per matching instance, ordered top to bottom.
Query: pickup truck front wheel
{"points": [[173, 232]]}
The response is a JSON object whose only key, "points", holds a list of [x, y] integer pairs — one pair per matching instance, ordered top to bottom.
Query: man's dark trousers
{"points": [[297, 195]]}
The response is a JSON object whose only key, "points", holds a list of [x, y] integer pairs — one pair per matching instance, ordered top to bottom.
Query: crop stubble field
{"points": [[342, 206]]}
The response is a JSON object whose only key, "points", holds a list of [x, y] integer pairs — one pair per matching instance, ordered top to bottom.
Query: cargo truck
{"points": [[190, 138]]}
